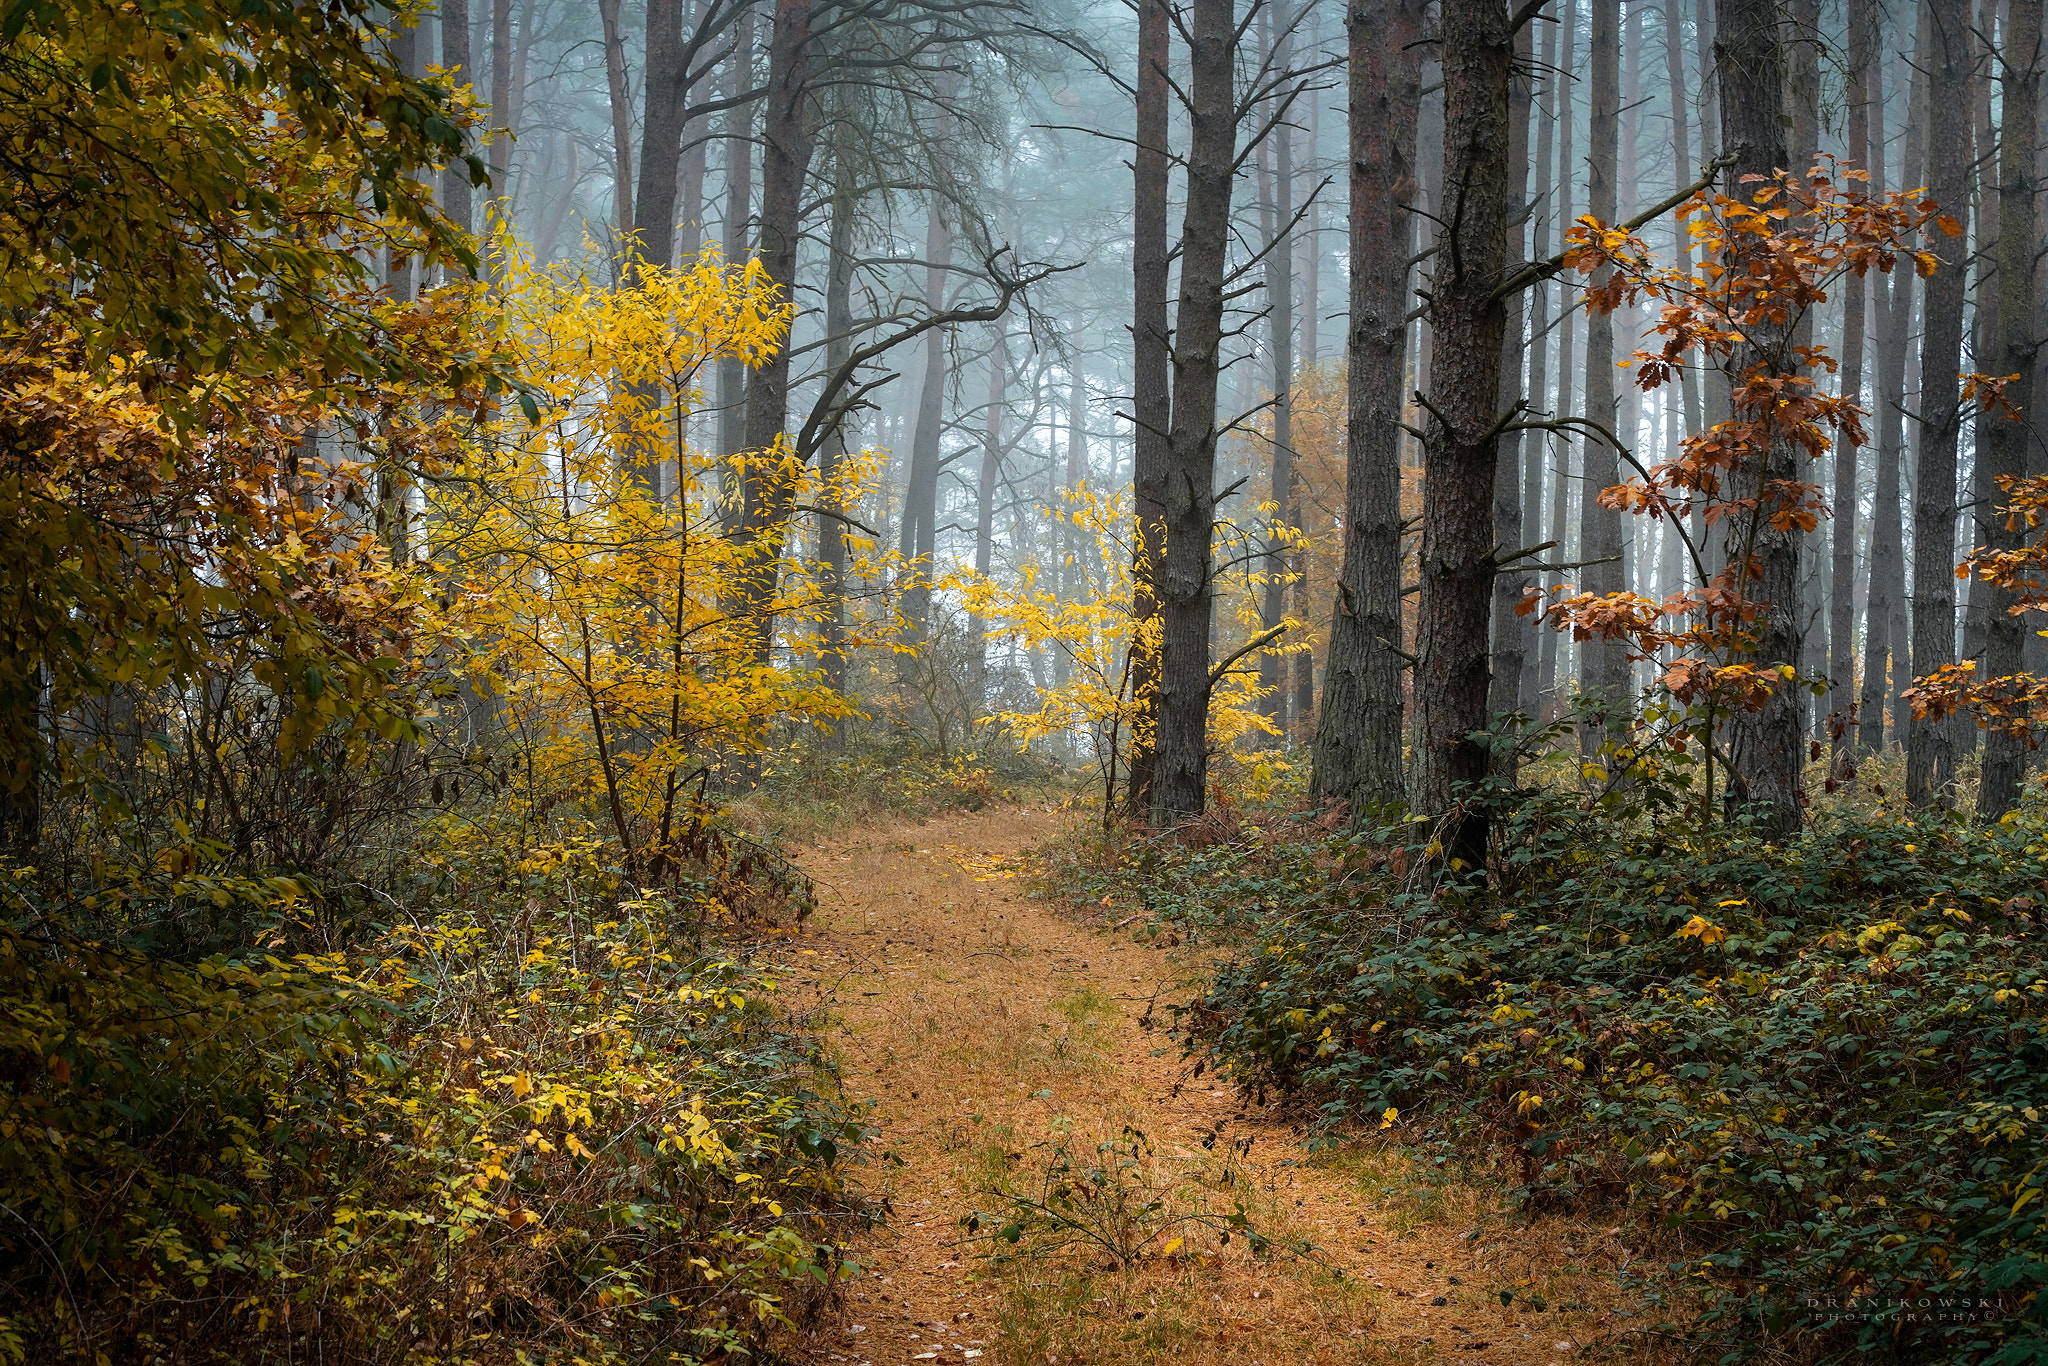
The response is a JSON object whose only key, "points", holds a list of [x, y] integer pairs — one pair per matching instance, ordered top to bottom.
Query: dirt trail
{"points": [[987, 1028]]}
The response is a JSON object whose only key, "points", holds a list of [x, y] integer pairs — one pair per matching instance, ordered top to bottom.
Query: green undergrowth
{"points": [[1815, 1073], [535, 1115]]}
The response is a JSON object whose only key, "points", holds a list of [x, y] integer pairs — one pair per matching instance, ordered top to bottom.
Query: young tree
{"points": [[1603, 665]]}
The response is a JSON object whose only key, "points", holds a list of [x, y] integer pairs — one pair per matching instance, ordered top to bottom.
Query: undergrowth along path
{"points": [[1010, 1048]]}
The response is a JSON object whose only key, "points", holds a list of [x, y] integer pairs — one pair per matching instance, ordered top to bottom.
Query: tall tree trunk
{"points": [[616, 86], [661, 132], [1683, 169], [457, 194], [739, 199], [1279, 208], [498, 214], [1855, 310], [1984, 332], [1151, 396], [767, 487], [921, 490], [985, 501], [832, 554], [1456, 566], [1510, 633], [1536, 639], [1885, 639], [1550, 649], [1603, 665], [1358, 734], [1931, 744], [1765, 746], [2005, 756], [1180, 780]]}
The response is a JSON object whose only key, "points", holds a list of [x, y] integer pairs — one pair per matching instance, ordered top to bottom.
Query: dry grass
{"points": [[994, 1035]]}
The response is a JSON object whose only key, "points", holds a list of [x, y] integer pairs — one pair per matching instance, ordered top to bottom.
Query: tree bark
{"points": [[616, 86], [661, 131], [739, 197], [458, 199], [1279, 208], [1855, 310], [1469, 319], [1151, 394], [2003, 447], [832, 453], [766, 487], [985, 501], [919, 541], [1537, 639], [1885, 640], [1550, 650], [1510, 660], [1603, 665], [1358, 735], [1931, 744], [1764, 746], [1181, 777]]}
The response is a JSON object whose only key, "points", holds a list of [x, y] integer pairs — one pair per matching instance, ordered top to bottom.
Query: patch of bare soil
{"points": [[1014, 1054]]}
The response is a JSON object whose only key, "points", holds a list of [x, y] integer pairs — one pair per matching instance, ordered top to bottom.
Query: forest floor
{"points": [[993, 1031]]}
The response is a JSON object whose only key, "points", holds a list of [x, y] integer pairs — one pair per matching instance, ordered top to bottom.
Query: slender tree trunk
{"points": [[616, 86], [661, 131], [1683, 169], [457, 194], [739, 199], [500, 208], [1855, 310], [1469, 319], [1984, 333], [1151, 395], [2005, 452], [767, 486], [921, 490], [985, 500], [832, 553], [1536, 640], [1885, 641], [1510, 659], [1550, 659], [1603, 665], [1273, 668], [1358, 734], [1931, 744], [1765, 746], [1180, 781]]}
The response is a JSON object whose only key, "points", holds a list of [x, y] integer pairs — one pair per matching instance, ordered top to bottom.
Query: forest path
{"points": [[987, 1028]]}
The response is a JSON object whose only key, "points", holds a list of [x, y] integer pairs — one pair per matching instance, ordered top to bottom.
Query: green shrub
{"points": [[1823, 1067], [524, 1122]]}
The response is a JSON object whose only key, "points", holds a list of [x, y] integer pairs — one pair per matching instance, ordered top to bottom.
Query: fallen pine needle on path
{"points": [[1024, 1078]]}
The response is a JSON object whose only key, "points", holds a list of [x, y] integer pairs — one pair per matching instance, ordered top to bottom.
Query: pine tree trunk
{"points": [[786, 156], [458, 199], [1277, 207], [739, 208], [1469, 319], [1151, 393], [832, 453], [921, 489], [985, 503], [1842, 529], [1538, 639], [1550, 649], [1510, 659], [1603, 665], [1358, 734], [1931, 744], [2005, 755], [1180, 781]]}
